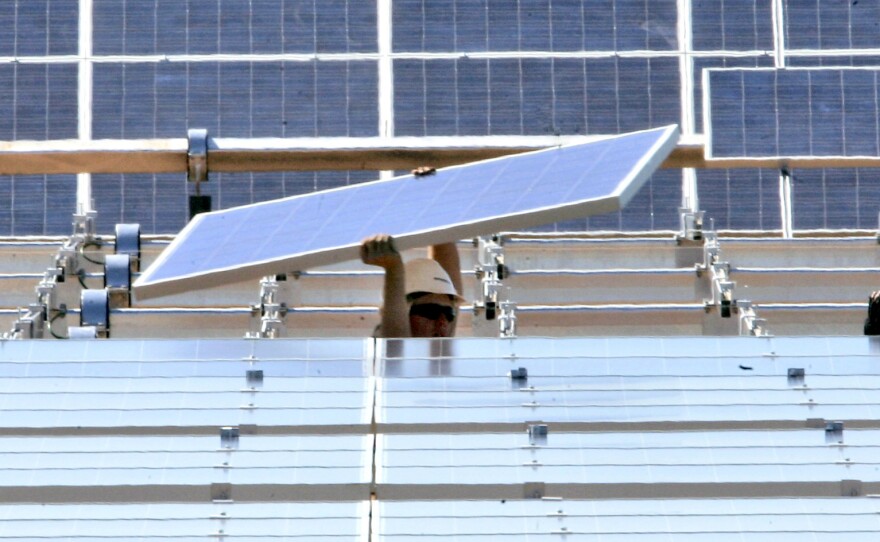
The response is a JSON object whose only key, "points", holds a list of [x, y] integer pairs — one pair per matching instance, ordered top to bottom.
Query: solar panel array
{"points": [[309, 68], [428, 439]]}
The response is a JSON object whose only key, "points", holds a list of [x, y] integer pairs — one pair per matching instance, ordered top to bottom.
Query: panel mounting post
{"points": [[197, 169]]}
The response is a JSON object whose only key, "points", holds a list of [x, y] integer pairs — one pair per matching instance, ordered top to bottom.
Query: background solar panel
{"points": [[543, 25], [831, 25], [742, 26], [38, 27], [170, 27], [795, 112], [740, 199]]}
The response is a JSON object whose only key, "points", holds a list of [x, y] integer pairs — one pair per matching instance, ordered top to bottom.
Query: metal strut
{"points": [[490, 271], [721, 289], [268, 316]]}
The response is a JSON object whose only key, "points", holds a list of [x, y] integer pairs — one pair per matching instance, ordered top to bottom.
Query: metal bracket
{"points": [[197, 155], [690, 225], [128, 241], [490, 271], [117, 279], [721, 289], [95, 311], [271, 311], [507, 319], [36, 320], [749, 322], [796, 376], [834, 432], [538, 434], [229, 438]]}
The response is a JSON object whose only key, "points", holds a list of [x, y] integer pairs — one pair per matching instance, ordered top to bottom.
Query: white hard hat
{"points": [[426, 275]]}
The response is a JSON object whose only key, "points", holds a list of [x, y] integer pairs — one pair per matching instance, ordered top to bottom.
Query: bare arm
{"points": [[379, 250], [447, 256]]}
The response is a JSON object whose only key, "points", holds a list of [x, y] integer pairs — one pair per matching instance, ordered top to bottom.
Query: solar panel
{"points": [[806, 112], [326, 227]]}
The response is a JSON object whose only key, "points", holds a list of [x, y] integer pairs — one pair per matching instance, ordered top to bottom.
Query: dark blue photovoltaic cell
{"points": [[850, 24], [534, 25], [732, 26], [233, 27], [38, 28], [534, 96], [236, 99], [794, 112], [530, 186], [835, 198], [740, 199]]}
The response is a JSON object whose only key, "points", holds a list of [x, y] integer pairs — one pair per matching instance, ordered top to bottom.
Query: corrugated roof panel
{"points": [[582, 382], [135, 385], [587, 460], [647, 520], [184, 521]]}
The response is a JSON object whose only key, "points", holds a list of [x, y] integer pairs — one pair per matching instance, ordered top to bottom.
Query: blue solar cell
{"points": [[234, 19], [7, 20], [502, 21], [567, 22], [534, 25], [599, 25], [471, 26], [472, 92], [825, 111], [860, 113], [758, 119], [793, 125], [517, 191]]}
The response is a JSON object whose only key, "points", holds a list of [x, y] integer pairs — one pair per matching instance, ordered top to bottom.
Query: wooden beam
{"points": [[338, 154]]}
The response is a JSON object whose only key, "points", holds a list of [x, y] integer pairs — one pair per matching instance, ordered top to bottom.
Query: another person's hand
{"points": [[380, 250]]}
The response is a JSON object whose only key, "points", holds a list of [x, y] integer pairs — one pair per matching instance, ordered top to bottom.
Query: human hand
{"points": [[380, 250]]}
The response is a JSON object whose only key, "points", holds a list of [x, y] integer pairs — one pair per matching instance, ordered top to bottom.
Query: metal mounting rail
{"points": [[332, 153]]}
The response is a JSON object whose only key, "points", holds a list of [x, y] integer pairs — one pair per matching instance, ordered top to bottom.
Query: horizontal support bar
{"points": [[338, 154]]}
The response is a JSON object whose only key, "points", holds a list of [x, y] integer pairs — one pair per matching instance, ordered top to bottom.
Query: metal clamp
{"points": [[197, 155], [690, 225], [128, 241], [490, 271], [117, 279], [95, 311], [271, 311]]}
